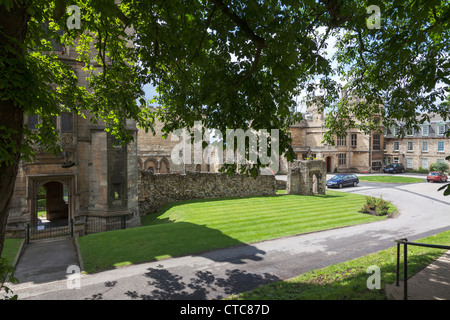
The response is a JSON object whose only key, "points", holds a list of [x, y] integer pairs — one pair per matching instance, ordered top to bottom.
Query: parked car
{"points": [[394, 168], [436, 177], [343, 180]]}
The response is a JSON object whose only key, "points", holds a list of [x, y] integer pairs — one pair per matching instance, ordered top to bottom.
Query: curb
{"points": [[78, 253]]}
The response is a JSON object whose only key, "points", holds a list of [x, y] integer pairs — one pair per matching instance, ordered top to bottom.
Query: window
{"points": [[33, 122], [66, 122], [441, 129], [425, 130], [394, 131], [410, 132], [354, 140], [341, 141], [376, 141], [384, 145], [396, 145], [410, 146], [425, 146], [440, 146], [306, 157], [342, 159], [387, 160], [396, 160], [440, 161], [409, 163], [424, 163], [376, 165], [117, 191]]}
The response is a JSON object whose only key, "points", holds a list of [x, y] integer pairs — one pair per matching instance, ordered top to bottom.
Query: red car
{"points": [[436, 177]]}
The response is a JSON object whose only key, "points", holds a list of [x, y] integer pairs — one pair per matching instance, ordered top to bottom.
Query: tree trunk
{"points": [[13, 24], [12, 118]]}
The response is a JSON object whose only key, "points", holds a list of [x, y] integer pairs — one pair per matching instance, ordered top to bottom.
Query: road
{"points": [[218, 274]]}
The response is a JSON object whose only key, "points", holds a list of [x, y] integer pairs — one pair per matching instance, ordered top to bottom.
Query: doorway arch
{"points": [[328, 161], [57, 209]]}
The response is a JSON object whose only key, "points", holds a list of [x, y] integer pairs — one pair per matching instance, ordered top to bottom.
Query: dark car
{"points": [[394, 168], [436, 177], [343, 180]]}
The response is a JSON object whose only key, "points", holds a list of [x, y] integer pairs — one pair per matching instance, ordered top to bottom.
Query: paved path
{"points": [[46, 261], [217, 274]]}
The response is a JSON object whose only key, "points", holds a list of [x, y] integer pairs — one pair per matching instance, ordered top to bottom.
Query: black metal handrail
{"points": [[405, 242]]}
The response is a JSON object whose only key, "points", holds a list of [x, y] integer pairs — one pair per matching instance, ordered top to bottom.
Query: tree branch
{"points": [[208, 22], [242, 24], [253, 68]]}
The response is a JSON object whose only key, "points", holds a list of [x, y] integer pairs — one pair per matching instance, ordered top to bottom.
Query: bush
{"points": [[439, 166], [376, 206], [382, 207]]}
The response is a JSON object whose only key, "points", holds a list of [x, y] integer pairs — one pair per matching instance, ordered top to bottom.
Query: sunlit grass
{"points": [[390, 179], [200, 225], [348, 280]]}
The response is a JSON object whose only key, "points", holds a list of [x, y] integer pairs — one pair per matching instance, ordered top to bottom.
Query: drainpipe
{"points": [[370, 152]]}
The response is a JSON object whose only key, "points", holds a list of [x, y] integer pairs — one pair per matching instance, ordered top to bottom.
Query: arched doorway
{"points": [[328, 161], [150, 166], [164, 166], [51, 205], [56, 211]]}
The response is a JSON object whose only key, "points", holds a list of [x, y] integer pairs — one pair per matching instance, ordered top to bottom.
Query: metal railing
{"points": [[92, 224], [96, 224], [49, 230], [405, 243]]}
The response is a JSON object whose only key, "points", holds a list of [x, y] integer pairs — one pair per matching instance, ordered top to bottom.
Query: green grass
{"points": [[390, 179], [201, 225], [10, 249], [348, 280]]}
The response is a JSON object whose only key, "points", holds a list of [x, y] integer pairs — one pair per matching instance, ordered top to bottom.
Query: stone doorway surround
{"points": [[36, 181]]}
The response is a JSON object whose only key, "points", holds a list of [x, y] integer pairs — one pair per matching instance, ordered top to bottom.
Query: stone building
{"points": [[418, 149], [356, 152], [155, 153], [91, 177]]}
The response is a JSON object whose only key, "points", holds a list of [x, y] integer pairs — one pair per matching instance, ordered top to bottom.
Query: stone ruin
{"points": [[306, 177]]}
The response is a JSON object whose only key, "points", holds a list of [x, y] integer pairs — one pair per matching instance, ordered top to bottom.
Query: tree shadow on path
{"points": [[203, 286]]}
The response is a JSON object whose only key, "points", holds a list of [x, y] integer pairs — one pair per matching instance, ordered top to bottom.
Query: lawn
{"points": [[391, 179], [200, 225], [10, 249], [348, 280]]}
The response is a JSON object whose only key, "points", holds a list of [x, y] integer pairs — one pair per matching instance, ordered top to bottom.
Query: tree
{"points": [[229, 64]]}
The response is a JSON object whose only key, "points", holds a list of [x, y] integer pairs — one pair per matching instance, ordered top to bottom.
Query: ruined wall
{"points": [[306, 177], [156, 190]]}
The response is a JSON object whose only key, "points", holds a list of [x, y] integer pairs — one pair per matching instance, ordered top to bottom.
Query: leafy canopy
{"points": [[230, 64]]}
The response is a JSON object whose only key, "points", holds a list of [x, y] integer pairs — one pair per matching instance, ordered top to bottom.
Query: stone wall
{"points": [[156, 190]]}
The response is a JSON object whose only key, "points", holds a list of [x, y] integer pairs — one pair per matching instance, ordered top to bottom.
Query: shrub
{"points": [[439, 166], [376, 206], [382, 207]]}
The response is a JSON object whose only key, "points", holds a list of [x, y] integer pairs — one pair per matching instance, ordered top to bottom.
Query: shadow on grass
{"points": [[159, 238], [108, 250], [346, 281]]}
